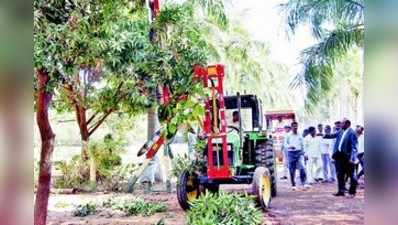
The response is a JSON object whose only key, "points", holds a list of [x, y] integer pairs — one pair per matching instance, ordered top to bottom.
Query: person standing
{"points": [[336, 128], [320, 130], [305, 133], [319, 136], [294, 143], [361, 150], [312, 151], [284, 152], [326, 152], [345, 156]]}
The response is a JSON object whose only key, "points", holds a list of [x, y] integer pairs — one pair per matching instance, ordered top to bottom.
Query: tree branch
{"points": [[71, 94], [92, 117], [99, 122]]}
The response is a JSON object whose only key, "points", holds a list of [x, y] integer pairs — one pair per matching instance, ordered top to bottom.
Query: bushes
{"points": [[106, 154], [181, 163], [74, 174], [111, 174], [118, 178], [130, 207], [140, 207], [85, 209], [231, 209]]}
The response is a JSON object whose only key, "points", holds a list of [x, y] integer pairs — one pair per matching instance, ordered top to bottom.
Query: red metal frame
{"points": [[154, 5], [215, 124], [155, 147]]}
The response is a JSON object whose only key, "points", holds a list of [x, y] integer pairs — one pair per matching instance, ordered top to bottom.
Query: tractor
{"points": [[237, 152]]}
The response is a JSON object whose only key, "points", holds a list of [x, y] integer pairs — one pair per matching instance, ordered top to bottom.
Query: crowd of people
{"points": [[324, 154]]}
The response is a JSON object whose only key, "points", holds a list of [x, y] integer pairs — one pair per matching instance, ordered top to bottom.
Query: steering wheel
{"points": [[232, 128]]}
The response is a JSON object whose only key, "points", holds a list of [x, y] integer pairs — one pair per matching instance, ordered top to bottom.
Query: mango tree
{"points": [[96, 58]]}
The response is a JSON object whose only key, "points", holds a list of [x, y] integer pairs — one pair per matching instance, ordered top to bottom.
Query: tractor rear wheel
{"points": [[265, 157], [262, 187], [187, 189]]}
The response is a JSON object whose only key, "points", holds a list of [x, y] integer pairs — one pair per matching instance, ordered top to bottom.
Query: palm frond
{"points": [[215, 10], [320, 14], [319, 61]]}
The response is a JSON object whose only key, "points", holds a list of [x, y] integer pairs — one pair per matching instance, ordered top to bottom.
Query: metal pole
{"points": [[240, 120]]}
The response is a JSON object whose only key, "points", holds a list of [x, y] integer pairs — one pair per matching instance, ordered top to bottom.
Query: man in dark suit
{"points": [[345, 157]]}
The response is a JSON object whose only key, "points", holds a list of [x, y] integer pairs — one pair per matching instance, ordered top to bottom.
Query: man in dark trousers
{"points": [[345, 157]]}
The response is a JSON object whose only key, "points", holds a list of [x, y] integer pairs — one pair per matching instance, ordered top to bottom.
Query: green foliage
{"points": [[215, 10], [321, 15], [338, 25], [102, 49], [320, 62], [187, 112], [106, 154], [183, 163], [180, 164], [74, 173], [111, 174], [119, 178], [131, 207], [135, 207], [223, 208], [83, 210]]}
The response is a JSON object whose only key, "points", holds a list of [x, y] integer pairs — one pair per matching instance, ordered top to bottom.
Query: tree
{"points": [[338, 25], [81, 45], [104, 62], [44, 84], [43, 100]]}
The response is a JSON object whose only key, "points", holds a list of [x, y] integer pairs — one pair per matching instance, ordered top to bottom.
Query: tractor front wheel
{"points": [[265, 158], [262, 187], [187, 189]]}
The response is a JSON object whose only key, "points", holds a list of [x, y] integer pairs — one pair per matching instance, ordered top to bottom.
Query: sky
{"points": [[264, 22]]}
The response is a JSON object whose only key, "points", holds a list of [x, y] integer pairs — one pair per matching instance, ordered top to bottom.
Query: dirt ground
{"points": [[316, 205]]}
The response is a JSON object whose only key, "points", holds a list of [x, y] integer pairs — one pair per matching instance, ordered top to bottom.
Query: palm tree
{"points": [[338, 25], [248, 63]]}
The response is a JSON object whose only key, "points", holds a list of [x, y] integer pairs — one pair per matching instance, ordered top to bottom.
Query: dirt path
{"points": [[313, 206], [316, 206]]}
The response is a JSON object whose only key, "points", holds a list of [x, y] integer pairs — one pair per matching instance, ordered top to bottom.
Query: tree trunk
{"points": [[83, 127], [85, 135], [47, 147], [93, 171]]}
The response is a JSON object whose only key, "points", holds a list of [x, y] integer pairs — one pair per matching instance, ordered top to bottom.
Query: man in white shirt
{"points": [[294, 143], [284, 151], [312, 151], [326, 153]]}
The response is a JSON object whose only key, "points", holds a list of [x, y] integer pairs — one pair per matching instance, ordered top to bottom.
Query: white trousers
{"points": [[314, 169]]}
